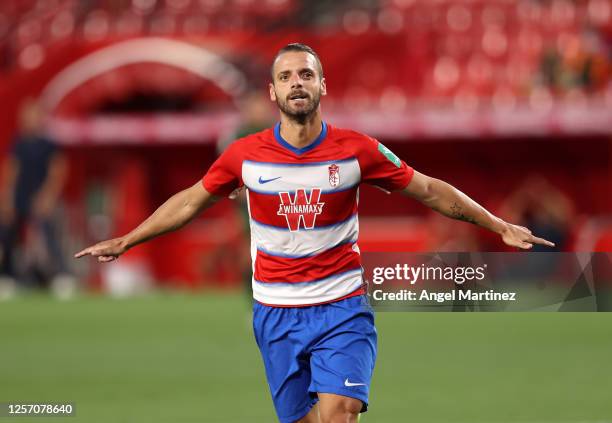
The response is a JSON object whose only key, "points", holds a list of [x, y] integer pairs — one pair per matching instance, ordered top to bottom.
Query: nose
{"points": [[296, 81]]}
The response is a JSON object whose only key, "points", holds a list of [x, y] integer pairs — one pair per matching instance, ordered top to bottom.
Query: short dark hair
{"points": [[298, 47]]}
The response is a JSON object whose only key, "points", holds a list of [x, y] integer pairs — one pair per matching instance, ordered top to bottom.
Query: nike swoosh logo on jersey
{"points": [[265, 181], [347, 383]]}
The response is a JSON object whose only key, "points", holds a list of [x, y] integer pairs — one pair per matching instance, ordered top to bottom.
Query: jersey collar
{"points": [[302, 150]]}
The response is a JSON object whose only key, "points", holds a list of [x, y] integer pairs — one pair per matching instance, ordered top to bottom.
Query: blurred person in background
{"points": [[582, 63], [255, 116], [33, 176], [539, 205]]}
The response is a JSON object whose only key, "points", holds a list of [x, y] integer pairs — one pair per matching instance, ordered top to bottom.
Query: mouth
{"points": [[298, 96]]}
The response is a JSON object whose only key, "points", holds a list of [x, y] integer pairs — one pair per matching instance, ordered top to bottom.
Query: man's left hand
{"points": [[521, 237]]}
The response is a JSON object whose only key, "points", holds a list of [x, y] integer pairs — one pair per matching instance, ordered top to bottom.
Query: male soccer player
{"points": [[311, 320]]}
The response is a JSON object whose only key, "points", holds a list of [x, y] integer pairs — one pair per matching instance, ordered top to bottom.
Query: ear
{"points": [[323, 87], [272, 93]]}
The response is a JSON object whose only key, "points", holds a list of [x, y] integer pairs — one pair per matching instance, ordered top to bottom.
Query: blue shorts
{"points": [[329, 348]]}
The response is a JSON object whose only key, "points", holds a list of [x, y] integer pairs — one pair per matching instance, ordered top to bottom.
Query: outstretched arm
{"points": [[448, 200], [175, 213]]}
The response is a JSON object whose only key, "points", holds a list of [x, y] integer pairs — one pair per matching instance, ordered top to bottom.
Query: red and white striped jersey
{"points": [[303, 209]]}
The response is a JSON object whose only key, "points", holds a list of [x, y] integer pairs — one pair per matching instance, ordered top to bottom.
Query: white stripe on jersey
{"points": [[271, 178], [282, 242], [305, 293]]}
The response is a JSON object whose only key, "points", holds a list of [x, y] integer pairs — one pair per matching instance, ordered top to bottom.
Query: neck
{"points": [[300, 134]]}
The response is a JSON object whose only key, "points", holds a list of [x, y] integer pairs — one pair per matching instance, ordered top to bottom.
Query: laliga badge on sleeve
{"points": [[389, 155]]}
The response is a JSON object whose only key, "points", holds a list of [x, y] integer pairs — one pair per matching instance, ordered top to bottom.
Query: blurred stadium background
{"points": [[509, 100]]}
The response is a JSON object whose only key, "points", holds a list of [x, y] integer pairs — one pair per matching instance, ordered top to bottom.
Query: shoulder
{"points": [[347, 134], [359, 143]]}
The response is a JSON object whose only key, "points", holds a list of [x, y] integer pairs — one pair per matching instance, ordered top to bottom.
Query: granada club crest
{"points": [[334, 175]]}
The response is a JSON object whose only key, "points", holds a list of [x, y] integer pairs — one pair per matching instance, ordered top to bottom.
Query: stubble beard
{"points": [[300, 116]]}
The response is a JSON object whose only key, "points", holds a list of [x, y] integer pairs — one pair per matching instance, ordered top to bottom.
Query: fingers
{"points": [[527, 240], [541, 241], [518, 242], [528, 243], [521, 245], [91, 251], [102, 252], [83, 253], [99, 254], [105, 259]]}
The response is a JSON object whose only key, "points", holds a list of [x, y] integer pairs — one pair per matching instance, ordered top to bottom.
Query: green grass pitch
{"points": [[192, 358]]}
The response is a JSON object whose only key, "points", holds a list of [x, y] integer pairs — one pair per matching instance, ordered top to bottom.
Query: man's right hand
{"points": [[175, 213], [106, 250]]}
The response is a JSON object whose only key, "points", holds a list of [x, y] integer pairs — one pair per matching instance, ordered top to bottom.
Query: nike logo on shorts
{"points": [[265, 181], [347, 383]]}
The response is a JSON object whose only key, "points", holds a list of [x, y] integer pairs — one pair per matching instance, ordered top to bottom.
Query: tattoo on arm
{"points": [[457, 213]]}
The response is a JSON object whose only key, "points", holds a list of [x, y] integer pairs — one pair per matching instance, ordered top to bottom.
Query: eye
{"points": [[283, 77]]}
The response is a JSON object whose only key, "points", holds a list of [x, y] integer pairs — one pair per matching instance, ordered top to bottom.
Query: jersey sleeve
{"points": [[382, 168], [225, 174]]}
